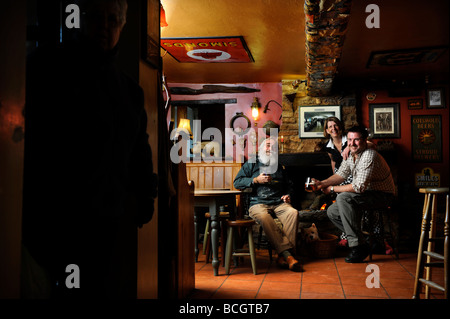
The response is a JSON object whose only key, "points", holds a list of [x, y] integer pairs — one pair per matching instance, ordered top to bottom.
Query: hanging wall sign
{"points": [[208, 50], [405, 56], [426, 138], [427, 178]]}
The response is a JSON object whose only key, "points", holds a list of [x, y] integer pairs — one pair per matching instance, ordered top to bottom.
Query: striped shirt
{"points": [[370, 172]]}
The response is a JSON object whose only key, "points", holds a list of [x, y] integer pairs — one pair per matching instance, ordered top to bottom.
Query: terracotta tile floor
{"points": [[322, 279]]}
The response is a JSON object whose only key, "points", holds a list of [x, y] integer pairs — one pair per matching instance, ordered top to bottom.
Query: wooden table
{"points": [[213, 199]]}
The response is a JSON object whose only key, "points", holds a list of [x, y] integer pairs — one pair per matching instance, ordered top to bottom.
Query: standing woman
{"points": [[337, 145], [337, 150]]}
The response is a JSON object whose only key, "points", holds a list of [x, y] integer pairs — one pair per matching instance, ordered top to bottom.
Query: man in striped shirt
{"points": [[372, 187]]}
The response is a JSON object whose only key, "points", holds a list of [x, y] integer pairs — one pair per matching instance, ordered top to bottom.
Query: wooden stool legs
{"points": [[370, 214], [428, 238], [251, 247], [230, 251]]}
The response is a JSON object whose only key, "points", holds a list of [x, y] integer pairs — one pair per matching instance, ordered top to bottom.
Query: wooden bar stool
{"points": [[374, 218], [247, 224], [428, 238]]}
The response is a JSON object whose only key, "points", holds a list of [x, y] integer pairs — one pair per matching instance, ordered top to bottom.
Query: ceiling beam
{"points": [[326, 25], [211, 88]]}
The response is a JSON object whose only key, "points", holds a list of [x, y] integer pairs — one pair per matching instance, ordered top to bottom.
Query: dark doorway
{"points": [[211, 113]]}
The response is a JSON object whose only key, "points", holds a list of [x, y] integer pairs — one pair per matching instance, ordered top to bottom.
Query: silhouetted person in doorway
{"points": [[89, 180]]}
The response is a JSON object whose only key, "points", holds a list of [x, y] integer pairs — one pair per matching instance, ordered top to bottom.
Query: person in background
{"points": [[337, 145], [88, 175], [372, 187], [271, 194]]}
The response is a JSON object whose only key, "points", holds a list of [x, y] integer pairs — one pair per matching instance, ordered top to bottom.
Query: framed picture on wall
{"points": [[151, 36], [435, 99], [415, 104], [312, 119], [384, 120], [426, 138]]}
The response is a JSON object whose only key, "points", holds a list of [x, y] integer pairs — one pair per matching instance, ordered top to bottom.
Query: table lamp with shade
{"points": [[183, 126], [182, 135]]}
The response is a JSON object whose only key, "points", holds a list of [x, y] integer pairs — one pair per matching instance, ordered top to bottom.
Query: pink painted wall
{"points": [[268, 91]]}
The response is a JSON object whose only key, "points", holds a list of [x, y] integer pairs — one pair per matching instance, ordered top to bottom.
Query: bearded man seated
{"points": [[271, 195]]}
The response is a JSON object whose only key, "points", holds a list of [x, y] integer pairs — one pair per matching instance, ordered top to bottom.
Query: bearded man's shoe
{"points": [[282, 263], [294, 264]]}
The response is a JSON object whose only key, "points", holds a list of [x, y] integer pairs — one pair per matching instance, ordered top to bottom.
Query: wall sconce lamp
{"points": [[162, 17], [266, 108], [255, 109]]}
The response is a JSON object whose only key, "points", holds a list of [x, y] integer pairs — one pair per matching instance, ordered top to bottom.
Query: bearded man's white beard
{"points": [[268, 159]]}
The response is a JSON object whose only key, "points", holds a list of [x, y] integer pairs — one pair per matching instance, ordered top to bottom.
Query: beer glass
{"points": [[310, 186]]}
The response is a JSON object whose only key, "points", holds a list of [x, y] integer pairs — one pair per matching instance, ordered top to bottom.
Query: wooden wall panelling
{"points": [[12, 100], [212, 175], [185, 251], [176, 265]]}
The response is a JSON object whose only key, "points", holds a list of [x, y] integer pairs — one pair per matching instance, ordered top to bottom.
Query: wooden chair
{"points": [[245, 199], [428, 238]]}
